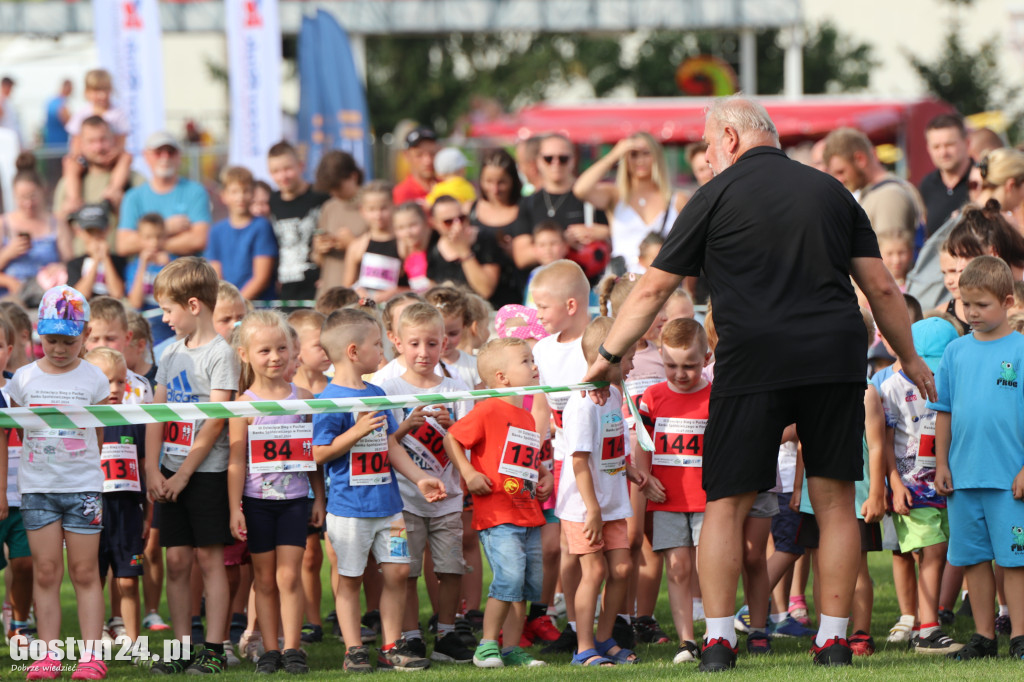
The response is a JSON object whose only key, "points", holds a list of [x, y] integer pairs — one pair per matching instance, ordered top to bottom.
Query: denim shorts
{"points": [[77, 512], [515, 557]]}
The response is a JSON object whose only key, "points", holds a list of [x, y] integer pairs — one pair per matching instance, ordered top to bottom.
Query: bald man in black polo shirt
{"points": [[778, 242]]}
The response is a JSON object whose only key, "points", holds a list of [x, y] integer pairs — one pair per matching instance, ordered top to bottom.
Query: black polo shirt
{"points": [[940, 201], [774, 238]]}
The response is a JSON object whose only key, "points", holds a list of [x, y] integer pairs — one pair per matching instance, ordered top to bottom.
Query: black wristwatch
{"points": [[613, 359]]}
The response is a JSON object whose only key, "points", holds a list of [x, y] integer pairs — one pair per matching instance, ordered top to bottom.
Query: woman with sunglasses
{"points": [[1002, 179], [640, 200], [496, 212], [461, 253]]}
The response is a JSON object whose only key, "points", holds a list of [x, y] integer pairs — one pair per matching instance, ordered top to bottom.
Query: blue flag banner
{"points": [[311, 118]]}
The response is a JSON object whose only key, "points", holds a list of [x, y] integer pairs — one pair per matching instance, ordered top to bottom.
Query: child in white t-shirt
{"points": [[454, 307], [61, 481]]}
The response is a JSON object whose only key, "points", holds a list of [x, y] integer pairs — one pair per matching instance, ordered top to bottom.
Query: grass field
{"points": [[790, 659]]}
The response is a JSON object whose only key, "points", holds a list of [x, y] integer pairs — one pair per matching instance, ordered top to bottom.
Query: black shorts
{"points": [[741, 443], [200, 517], [272, 523], [785, 525], [310, 528], [808, 536], [121, 543]]}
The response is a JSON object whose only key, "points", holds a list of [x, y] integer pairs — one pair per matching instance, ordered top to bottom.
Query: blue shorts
{"points": [[77, 512], [985, 524], [785, 525], [121, 543], [516, 562]]}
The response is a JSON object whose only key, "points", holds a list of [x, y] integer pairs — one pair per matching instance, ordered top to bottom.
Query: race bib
{"points": [[379, 272], [635, 389], [558, 401], [177, 439], [679, 442], [613, 443], [57, 444], [425, 445], [926, 446], [279, 448], [547, 454], [520, 455], [368, 460], [120, 464]]}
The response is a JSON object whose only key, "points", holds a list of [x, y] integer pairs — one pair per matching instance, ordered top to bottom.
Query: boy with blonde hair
{"points": [[980, 454], [186, 462], [508, 483]]}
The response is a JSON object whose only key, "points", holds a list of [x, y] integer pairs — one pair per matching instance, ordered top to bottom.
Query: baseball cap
{"points": [[419, 134], [161, 139], [449, 160], [92, 217], [63, 310], [524, 324], [931, 336]]}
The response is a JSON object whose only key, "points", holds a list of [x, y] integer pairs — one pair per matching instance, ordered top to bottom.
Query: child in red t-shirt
{"points": [[675, 414], [508, 484]]}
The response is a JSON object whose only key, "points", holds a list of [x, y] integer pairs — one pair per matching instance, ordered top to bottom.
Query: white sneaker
{"points": [[559, 605], [154, 622], [115, 628], [900, 632], [251, 645], [687, 652], [230, 657]]}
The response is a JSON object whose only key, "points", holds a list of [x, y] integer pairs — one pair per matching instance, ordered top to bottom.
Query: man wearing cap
{"points": [[420, 149], [184, 204], [99, 272]]}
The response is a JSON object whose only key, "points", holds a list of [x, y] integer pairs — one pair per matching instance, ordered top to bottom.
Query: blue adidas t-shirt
{"points": [[981, 384], [343, 498]]}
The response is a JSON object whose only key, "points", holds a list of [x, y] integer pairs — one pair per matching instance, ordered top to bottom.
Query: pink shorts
{"points": [[614, 535]]}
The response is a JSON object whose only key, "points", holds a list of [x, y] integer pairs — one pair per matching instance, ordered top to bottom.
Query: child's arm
{"points": [[119, 178], [353, 255], [262, 275], [111, 276], [415, 420], [365, 424], [874, 431], [238, 434], [943, 437], [204, 440], [798, 479], [155, 482], [476, 482], [545, 483], [585, 484], [431, 488], [653, 490], [901, 499], [319, 511]]}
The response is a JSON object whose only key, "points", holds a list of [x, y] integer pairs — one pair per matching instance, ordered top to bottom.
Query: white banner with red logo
{"points": [[128, 38], [254, 64]]}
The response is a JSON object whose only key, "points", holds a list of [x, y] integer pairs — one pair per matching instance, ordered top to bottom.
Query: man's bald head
{"points": [[735, 125], [982, 141]]}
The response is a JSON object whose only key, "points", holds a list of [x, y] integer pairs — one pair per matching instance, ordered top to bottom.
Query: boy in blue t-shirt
{"points": [[242, 249], [980, 454], [364, 506]]}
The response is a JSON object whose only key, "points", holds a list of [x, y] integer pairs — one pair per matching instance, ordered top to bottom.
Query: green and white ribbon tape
{"points": [[304, 303], [70, 417], [643, 439]]}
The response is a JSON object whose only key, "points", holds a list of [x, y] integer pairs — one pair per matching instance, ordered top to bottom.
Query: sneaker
{"points": [[558, 605], [965, 608], [799, 613], [946, 617], [332, 618], [475, 618], [371, 619], [742, 619], [154, 622], [432, 625], [1003, 625], [237, 627], [789, 627], [115, 628], [464, 629], [541, 629], [648, 631], [900, 632], [198, 633], [622, 633], [312, 634], [25, 635], [367, 635], [525, 641], [936, 643], [565, 644], [758, 644], [862, 644], [251, 645], [417, 646], [978, 647], [1017, 647], [450, 649], [835, 652], [686, 653], [488, 655], [718, 655], [230, 657], [401, 657], [520, 659], [357, 660], [293, 661], [207, 663], [269, 663], [46, 669], [92, 669]]}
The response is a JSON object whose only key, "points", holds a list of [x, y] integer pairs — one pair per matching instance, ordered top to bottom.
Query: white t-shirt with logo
{"points": [[560, 364], [601, 431], [59, 460]]}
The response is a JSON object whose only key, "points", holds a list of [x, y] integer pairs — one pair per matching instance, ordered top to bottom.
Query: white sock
{"points": [[1004, 610], [779, 617], [627, 618], [907, 620], [572, 624], [831, 627], [444, 628], [721, 628], [928, 630], [412, 634]]}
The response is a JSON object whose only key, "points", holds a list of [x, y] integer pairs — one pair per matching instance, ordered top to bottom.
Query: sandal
{"points": [[622, 656], [590, 657]]}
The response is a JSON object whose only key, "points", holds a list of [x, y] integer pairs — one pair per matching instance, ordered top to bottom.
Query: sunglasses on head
{"points": [[562, 159], [983, 168], [448, 222]]}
